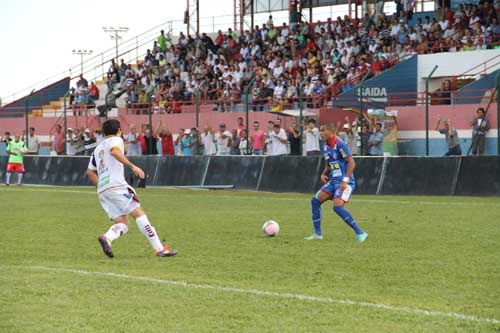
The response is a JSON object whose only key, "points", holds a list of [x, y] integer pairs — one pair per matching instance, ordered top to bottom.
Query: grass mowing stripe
{"points": [[374, 201], [256, 292]]}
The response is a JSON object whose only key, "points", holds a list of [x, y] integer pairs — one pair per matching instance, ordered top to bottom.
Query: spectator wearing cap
{"points": [[348, 136], [222, 140], [376, 140], [277, 141], [33, 142], [72, 142], [187, 143]]}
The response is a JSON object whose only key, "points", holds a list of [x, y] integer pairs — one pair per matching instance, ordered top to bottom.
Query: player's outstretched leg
{"points": [[316, 202], [349, 220], [117, 230], [161, 250]]}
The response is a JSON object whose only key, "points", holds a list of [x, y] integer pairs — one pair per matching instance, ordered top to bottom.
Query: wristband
{"points": [[345, 180]]}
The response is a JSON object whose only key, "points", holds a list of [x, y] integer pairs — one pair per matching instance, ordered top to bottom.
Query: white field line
{"points": [[177, 195], [256, 292]]}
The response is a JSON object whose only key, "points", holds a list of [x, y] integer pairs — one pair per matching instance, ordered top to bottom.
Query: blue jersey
{"points": [[336, 154]]}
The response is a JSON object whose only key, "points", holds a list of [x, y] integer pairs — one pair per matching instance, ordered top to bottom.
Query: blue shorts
{"points": [[333, 190]]}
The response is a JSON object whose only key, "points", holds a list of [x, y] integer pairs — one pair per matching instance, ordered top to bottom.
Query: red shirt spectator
{"points": [[220, 39], [311, 45], [94, 91], [142, 141], [167, 143]]}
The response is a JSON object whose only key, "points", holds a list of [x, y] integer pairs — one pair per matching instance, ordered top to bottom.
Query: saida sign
{"points": [[373, 94]]}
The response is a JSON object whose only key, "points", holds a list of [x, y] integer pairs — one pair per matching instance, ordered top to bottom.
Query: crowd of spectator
{"points": [[332, 55]]}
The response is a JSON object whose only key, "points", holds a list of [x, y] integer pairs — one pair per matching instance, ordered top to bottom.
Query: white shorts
{"points": [[119, 201]]}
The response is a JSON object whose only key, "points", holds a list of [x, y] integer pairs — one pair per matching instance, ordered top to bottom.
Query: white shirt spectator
{"points": [[278, 70], [279, 91], [312, 140], [208, 143], [223, 143], [33, 144], [276, 146], [133, 148]]}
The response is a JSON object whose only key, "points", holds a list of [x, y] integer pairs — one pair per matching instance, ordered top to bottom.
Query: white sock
{"points": [[19, 178], [7, 180], [116, 231], [149, 232]]}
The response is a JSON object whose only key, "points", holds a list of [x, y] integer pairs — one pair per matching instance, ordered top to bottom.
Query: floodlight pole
{"points": [[115, 34], [82, 53]]}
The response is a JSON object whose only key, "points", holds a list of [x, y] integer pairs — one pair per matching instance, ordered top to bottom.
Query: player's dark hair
{"points": [[311, 121], [328, 126], [111, 127]]}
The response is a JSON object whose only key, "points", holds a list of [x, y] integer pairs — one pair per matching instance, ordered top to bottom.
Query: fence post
{"points": [[497, 91], [247, 92], [197, 106], [362, 106], [301, 109], [427, 111], [150, 113], [26, 115], [65, 120]]}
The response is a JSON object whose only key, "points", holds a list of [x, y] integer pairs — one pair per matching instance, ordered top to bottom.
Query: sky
{"points": [[38, 36]]}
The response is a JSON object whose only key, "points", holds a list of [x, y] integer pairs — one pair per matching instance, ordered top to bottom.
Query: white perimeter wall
{"points": [[453, 64]]}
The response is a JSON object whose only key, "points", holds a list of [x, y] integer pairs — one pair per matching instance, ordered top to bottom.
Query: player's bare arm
{"points": [[117, 153], [350, 170], [326, 171], [94, 179]]}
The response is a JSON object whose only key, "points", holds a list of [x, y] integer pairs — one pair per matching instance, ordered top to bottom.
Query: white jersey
{"points": [[109, 169]]}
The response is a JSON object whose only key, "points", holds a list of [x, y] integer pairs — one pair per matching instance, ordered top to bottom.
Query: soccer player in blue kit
{"points": [[338, 180]]}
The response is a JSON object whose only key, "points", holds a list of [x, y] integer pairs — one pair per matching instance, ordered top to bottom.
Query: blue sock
{"points": [[316, 215], [347, 217]]}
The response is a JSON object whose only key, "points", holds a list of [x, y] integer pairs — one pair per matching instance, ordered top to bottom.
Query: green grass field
{"points": [[430, 264]]}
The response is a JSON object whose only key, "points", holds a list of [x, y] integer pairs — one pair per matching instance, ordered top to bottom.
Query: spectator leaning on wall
{"points": [[480, 126], [312, 138], [132, 139], [257, 139], [207, 140], [222, 140], [294, 140], [376, 140], [277, 141], [33, 143]]}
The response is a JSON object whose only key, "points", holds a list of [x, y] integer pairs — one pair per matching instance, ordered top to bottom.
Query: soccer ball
{"points": [[271, 228]]}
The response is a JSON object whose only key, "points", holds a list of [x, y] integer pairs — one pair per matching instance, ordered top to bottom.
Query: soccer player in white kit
{"points": [[118, 199]]}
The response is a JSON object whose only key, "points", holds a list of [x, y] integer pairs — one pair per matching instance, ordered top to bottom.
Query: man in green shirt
{"points": [[162, 41], [16, 150]]}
